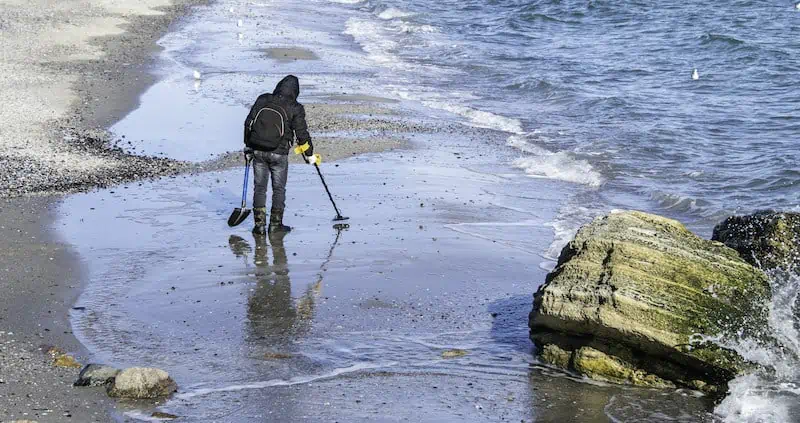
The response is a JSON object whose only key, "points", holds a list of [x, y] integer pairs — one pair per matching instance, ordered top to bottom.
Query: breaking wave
{"points": [[394, 13], [541, 163], [773, 393]]}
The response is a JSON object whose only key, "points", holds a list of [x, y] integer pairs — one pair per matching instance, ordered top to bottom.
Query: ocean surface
{"points": [[602, 94], [589, 106]]}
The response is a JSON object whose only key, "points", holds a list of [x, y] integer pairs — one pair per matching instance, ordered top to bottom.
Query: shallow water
{"points": [[587, 107], [346, 325]]}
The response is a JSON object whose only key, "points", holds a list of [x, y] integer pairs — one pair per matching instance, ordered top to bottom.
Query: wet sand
{"points": [[290, 53], [39, 277]]}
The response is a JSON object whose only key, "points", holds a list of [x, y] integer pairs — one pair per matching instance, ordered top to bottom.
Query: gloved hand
{"points": [[310, 151], [248, 153], [314, 160]]}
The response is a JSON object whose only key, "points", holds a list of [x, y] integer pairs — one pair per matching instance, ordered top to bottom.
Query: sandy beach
{"points": [[68, 70]]}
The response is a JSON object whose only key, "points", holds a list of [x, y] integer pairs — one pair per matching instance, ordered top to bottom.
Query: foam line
{"points": [[299, 380]]}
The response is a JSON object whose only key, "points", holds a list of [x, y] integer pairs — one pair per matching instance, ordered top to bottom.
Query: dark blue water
{"points": [[601, 92]]}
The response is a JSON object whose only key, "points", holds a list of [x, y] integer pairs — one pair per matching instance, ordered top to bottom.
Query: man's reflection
{"points": [[271, 309]]}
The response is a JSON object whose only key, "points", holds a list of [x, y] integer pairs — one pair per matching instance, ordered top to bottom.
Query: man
{"points": [[269, 131]]}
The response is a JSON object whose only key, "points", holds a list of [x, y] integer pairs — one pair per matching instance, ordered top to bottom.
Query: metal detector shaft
{"points": [[338, 214]]}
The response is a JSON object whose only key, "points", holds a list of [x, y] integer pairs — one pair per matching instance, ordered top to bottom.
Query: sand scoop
{"points": [[239, 215]]}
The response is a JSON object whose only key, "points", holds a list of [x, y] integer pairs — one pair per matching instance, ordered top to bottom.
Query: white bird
{"points": [[239, 23], [197, 75], [695, 75]]}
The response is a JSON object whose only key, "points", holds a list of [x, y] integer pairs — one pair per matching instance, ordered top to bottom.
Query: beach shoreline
{"points": [[68, 73]]}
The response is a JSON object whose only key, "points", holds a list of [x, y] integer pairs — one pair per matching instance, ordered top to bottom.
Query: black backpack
{"points": [[269, 126]]}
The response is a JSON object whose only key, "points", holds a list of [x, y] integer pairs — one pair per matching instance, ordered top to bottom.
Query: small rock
{"points": [[454, 353], [276, 356], [66, 361], [96, 375], [142, 383], [162, 415]]}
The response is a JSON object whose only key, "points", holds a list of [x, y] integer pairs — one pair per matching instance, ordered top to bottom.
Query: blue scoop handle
{"points": [[246, 177]]}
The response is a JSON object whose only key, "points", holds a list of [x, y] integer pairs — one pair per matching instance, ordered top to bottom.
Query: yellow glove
{"points": [[300, 149], [314, 159]]}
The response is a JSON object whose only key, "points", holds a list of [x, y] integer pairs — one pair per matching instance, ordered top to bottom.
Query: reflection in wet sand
{"points": [[272, 311]]}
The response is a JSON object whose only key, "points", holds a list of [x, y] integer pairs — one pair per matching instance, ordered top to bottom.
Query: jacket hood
{"points": [[288, 87]]}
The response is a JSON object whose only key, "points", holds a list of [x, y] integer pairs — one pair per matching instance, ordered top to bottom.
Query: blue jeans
{"points": [[264, 165]]}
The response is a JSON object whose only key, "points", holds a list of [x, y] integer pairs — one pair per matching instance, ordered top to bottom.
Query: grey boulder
{"points": [[142, 383]]}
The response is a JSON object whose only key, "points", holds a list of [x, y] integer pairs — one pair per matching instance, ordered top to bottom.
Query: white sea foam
{"points": [[346, 1], [394, 13], [410, 28], [370, 35], [381, 40], [448, 103], [480, 118], [541, 163], [570, 218], [299, 380], [769, 396], [749, 401], [142, 417]]}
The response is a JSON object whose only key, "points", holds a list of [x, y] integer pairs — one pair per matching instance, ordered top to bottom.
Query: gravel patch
{"points": [[70, 69]]}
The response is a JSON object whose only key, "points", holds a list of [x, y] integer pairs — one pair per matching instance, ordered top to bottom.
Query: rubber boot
{"points": [[260, 217], [276, 222]]}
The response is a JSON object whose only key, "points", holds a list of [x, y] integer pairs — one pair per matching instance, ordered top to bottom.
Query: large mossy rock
{"points": [[767, 239], [631, 292]]}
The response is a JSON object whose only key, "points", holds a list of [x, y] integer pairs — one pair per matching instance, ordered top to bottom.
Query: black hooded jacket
{"points": [[284, 96]]}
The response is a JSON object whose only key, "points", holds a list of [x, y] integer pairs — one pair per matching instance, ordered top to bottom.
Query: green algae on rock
{"points": [[767, 239], [631, 292]]}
